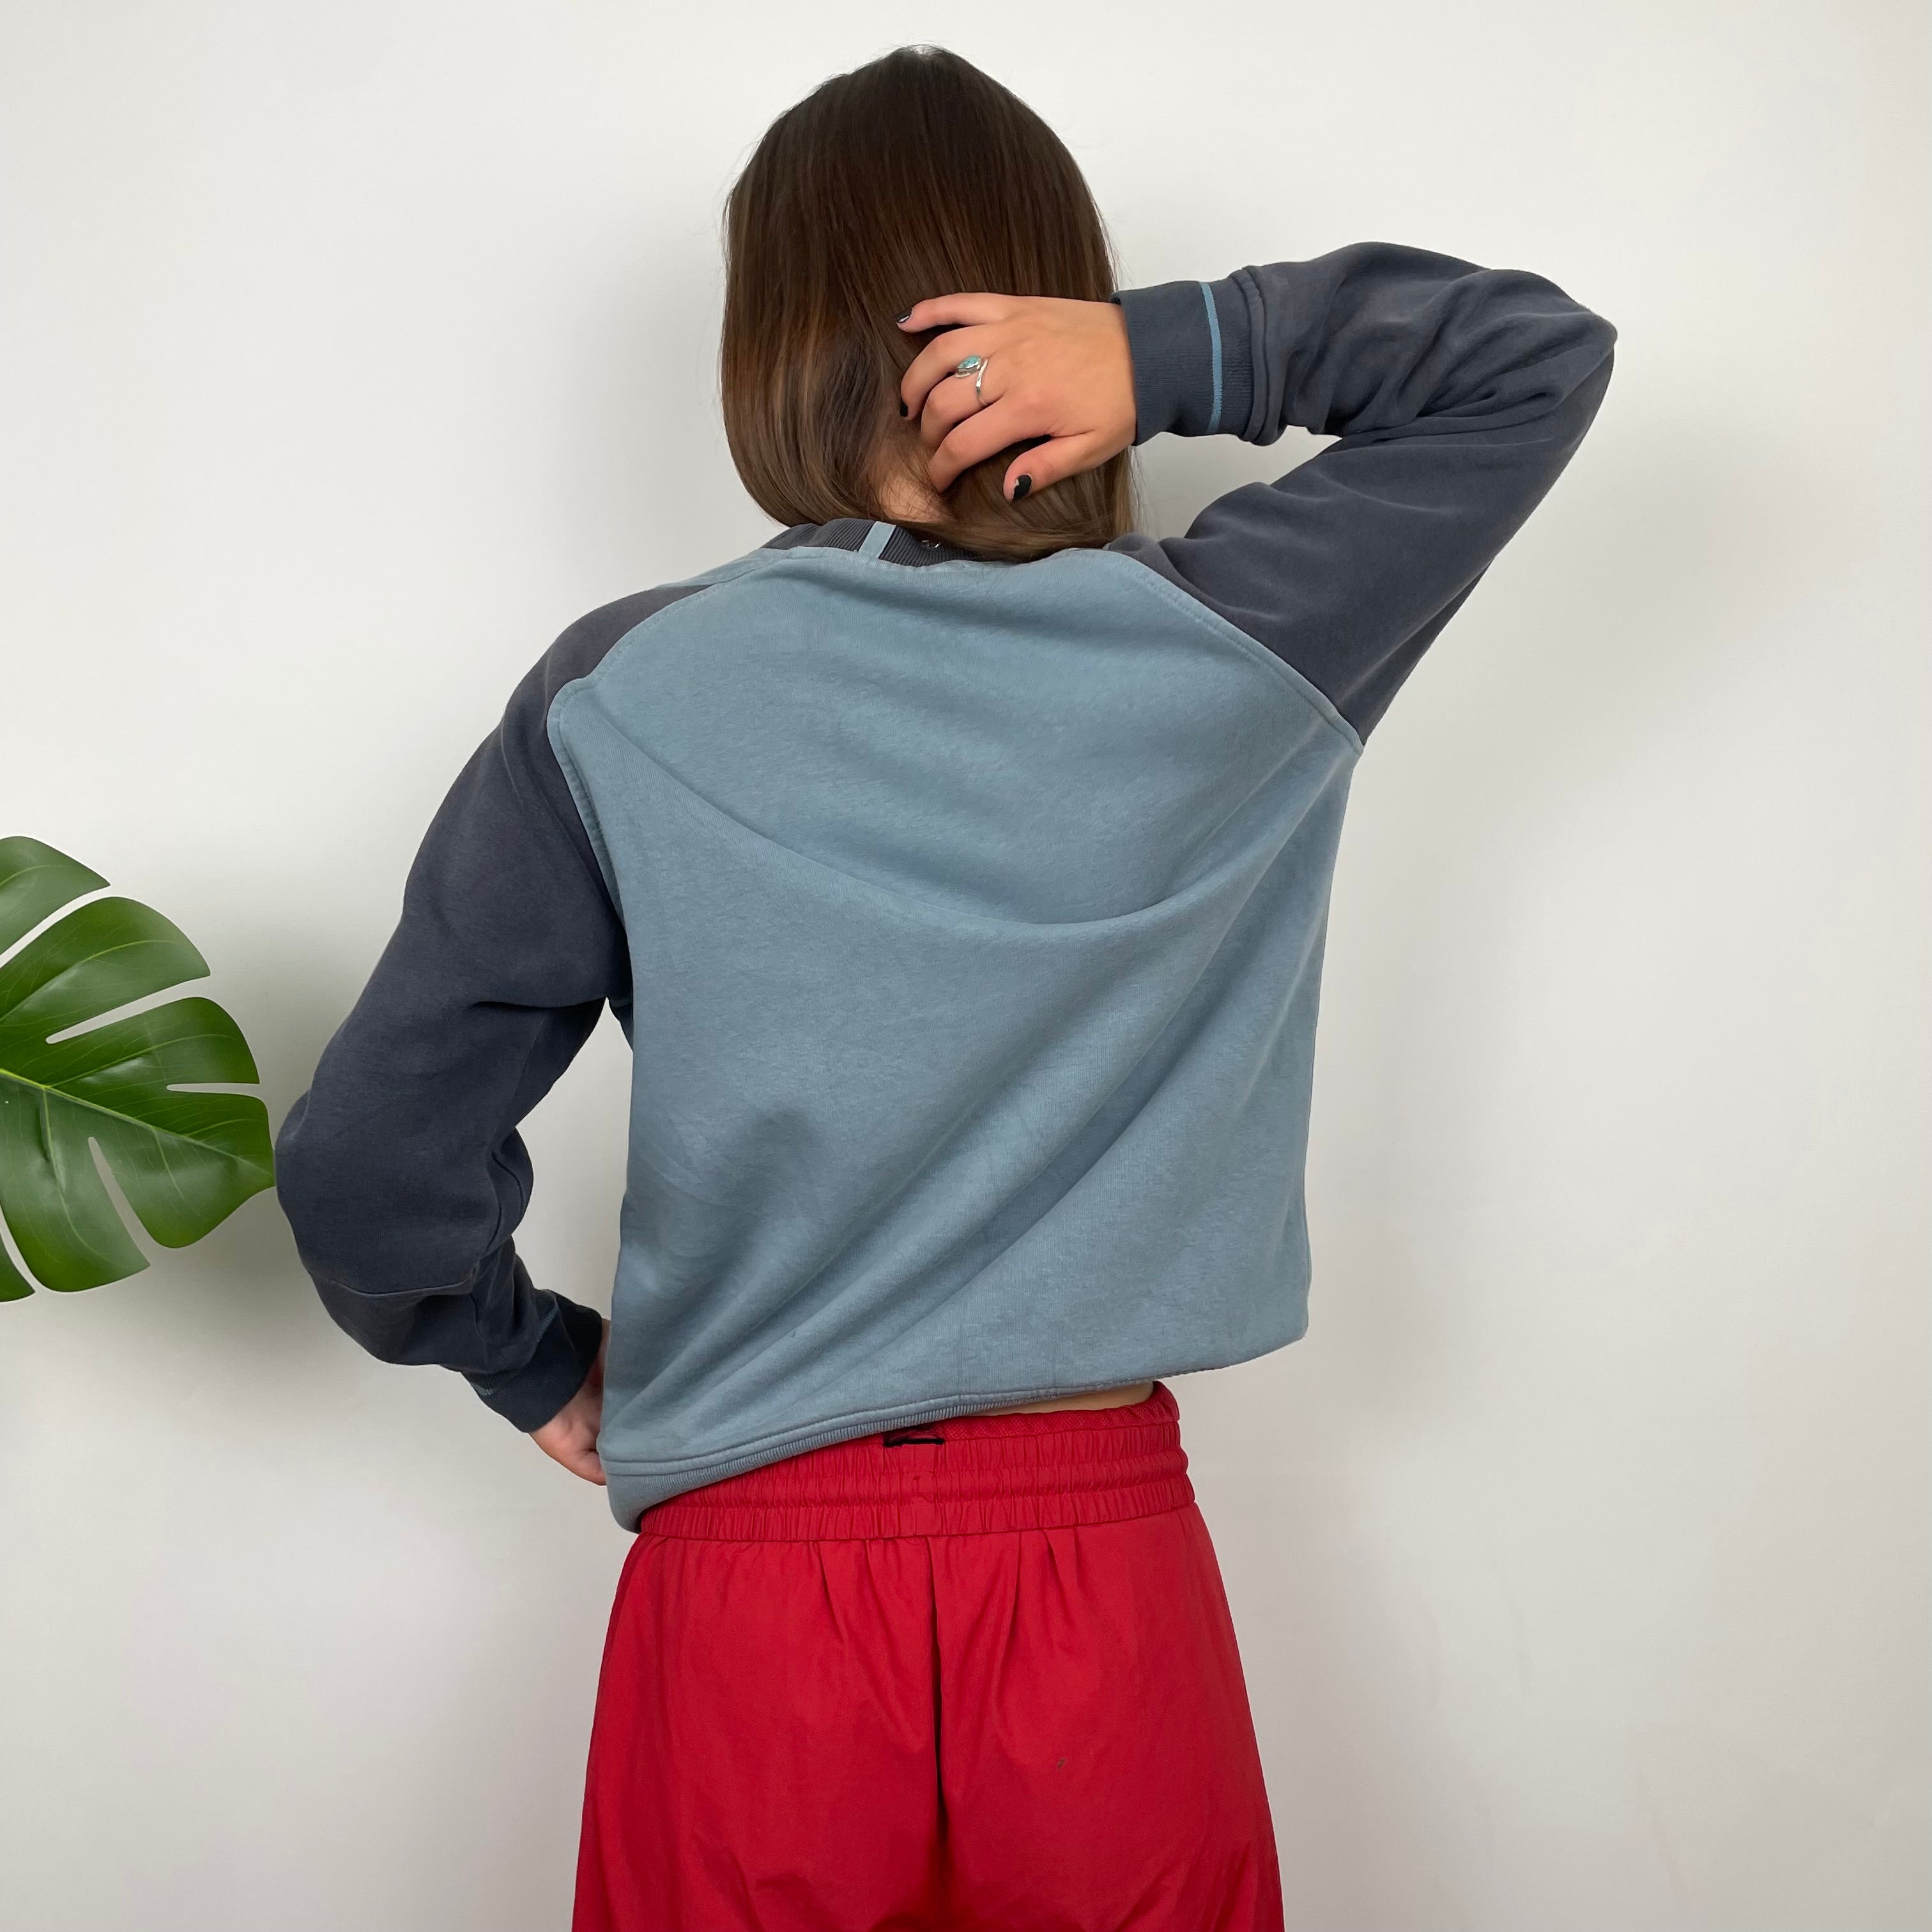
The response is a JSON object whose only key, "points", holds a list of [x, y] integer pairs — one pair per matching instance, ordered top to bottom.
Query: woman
{"points": [[958, 865]]}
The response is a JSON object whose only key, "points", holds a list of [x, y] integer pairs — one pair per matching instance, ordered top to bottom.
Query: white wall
{"points": [[1580, 1554]]}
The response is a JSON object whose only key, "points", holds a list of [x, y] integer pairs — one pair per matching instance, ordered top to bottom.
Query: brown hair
{"points": [[913, 176]]}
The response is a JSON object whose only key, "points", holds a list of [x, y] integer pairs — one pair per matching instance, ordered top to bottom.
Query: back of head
{"points": [[916, 175]]}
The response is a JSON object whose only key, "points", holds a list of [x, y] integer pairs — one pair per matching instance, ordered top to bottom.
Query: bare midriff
{"points": [[1112, 1398]]}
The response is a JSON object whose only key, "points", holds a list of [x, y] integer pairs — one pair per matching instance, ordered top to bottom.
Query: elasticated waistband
{"points": [[969, 1475]]}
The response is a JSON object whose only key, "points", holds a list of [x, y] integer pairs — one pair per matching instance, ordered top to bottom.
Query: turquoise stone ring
{"points": [[974, 366]]}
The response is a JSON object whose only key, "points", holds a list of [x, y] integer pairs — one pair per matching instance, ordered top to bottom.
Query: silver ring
{"points": [[974, 366]]}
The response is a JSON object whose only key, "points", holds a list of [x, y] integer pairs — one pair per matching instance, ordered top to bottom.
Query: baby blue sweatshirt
{"points": [[965, 918]]}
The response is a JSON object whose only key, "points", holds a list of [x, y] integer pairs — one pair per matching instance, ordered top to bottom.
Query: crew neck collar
{"points": [[852, 533]]}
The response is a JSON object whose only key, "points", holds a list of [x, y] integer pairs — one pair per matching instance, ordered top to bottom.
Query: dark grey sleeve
{"points": [[1457, 394], [401, 1170]]}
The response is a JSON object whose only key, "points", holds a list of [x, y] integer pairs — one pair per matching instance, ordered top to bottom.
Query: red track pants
{"points": [[979, 1673]]}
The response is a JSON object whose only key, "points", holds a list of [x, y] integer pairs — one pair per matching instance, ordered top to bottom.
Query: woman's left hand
{"points": [[1056, 372], [570, 1436]]}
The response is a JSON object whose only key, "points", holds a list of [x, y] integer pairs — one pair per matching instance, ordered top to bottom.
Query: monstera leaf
{"points": [[185, 1161]]}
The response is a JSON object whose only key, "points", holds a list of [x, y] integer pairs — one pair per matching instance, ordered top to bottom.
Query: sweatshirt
{"points": [[965, 918]]}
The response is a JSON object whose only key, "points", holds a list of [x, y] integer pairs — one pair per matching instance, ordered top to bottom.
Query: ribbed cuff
{"points": [[1189, 343], [530, 1395]]}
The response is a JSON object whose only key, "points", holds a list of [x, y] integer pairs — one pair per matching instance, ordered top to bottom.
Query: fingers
{"points": [[942, 311], [937, 361], [1057, 386], [952, 400], [999, 426], [984, 433], [1052, 462], [570, 1436], [579, 1456]]}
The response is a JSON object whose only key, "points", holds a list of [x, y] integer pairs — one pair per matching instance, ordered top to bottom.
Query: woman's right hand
{"points": [[1057, 373]]}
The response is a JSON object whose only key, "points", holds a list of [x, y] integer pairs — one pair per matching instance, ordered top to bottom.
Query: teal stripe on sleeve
{"points": [[1214, 343]]}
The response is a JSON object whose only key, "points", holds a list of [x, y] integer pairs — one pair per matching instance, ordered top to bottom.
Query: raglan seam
{"points": [[1183, 602], [1186, 602], [1204, 614], [566, 695], [1308, 696], [586, 817], [590, 871]]}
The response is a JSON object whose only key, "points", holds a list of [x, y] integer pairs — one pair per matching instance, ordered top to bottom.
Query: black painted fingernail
{"points": [[905, 318], [903, 410], [1021, 487]]}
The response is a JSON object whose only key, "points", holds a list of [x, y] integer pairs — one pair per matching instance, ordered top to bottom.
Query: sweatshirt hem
{"points": [[636, 1486]]}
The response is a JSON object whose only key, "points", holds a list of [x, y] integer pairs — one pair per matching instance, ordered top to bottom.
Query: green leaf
{"points": [[184, 1161], [12, 1283]]}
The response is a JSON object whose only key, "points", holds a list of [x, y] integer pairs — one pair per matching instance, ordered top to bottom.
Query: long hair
{"points": [[915, 175]]}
